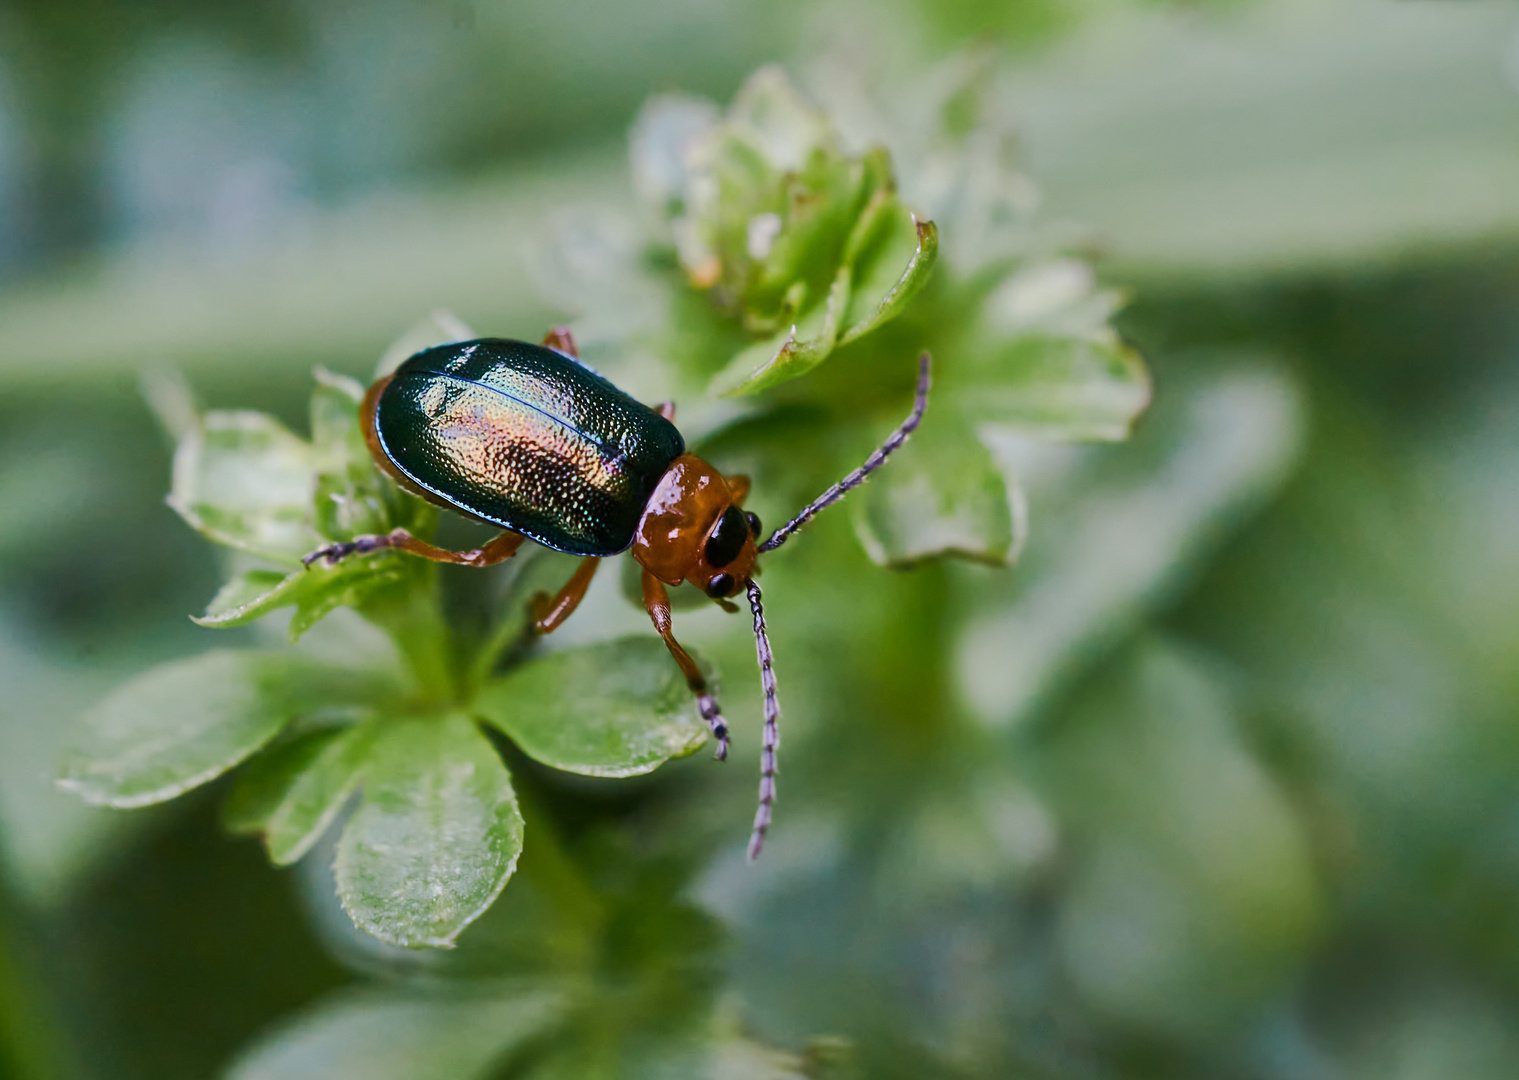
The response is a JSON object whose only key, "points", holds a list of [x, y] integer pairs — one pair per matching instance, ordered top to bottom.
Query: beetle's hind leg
{"points": [[494, 551], [656, 602], [549, 614]]}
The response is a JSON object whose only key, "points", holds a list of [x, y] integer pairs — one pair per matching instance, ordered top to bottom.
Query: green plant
{"points": [[767, 249]]}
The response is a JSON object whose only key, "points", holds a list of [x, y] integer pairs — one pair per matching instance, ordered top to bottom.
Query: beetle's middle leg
{"points": [[493, 551], [656, 602], [548, 613]]}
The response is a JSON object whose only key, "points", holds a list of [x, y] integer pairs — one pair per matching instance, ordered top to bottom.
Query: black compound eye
{"points": [[754, 523], [727, 537], [720, 586]]}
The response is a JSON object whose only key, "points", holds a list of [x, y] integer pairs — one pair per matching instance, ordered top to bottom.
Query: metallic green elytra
{"points": [[524, 437]]}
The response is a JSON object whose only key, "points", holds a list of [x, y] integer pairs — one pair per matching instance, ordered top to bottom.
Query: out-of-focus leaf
{"points": [[1338, 94], [773, 114], [662, 136], [770, 166], [591, 262], [1053, 297], [439, 328], [1045, 362], [1058, 388], [337, 441], [242, 479], [942, 495], [1113, 530], [314, 592], [1376, 617], [618, 708], [181, 724], [292, 793], [50, 837], [436, 837], [1195, 898], [385, 1035], [718, 1056]]}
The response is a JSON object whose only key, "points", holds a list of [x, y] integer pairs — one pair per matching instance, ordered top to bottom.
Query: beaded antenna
{"points": [[772, 736]]}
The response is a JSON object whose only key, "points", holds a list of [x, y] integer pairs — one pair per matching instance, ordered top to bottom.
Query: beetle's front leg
{"points": [[501, 547], [656, 602]]}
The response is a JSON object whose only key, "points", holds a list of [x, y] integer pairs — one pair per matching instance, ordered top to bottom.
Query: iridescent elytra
{"points": [[529, 439]]}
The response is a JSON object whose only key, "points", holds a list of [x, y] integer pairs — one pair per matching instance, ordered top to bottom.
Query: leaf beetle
{"points": [[529, 439]]}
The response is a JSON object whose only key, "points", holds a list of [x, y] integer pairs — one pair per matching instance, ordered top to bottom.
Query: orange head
{"points": [[694, 530]]}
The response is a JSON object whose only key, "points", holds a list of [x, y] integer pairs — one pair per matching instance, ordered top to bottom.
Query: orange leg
{"points": [[560, 338], [667, 410], [738, 487], [497, 549], [656, 602], [549, 614]]}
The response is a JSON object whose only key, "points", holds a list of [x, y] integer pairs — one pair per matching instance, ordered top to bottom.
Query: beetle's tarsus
{"points": [[332, 554], [712, 714]]}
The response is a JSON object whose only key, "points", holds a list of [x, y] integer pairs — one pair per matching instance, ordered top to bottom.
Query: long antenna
{"points": [[872, 463], [772, 737]]}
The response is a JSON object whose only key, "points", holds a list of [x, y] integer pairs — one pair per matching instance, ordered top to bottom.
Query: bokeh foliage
{"points": [[1217, 781]]}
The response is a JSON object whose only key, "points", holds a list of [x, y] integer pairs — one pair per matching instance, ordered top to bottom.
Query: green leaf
{"points": [[818, 212], [891, 255], [793, 352], [1044, 361], [1057, 387], [337, 439], [242, 479], [943, 494], [352, 496], [314, 592], [247, 597], [618, 708], [179, 725], [292, 792], [436, 837], [387, 1035]]}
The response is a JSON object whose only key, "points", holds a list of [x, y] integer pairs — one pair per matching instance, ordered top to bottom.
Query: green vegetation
{"points": [[1142, 718]]}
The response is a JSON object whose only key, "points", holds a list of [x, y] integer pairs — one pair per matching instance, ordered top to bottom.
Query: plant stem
{"points": [[413, 617], [31, 1044]]}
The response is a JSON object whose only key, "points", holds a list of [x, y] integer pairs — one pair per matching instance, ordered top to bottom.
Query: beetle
{"points": [[529, 439]]}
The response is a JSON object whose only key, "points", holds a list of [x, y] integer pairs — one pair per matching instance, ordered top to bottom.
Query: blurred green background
{"points": [[1220, 780]]}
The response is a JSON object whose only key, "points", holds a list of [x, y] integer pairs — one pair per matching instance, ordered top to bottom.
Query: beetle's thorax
{"points": [[671, 538]]}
